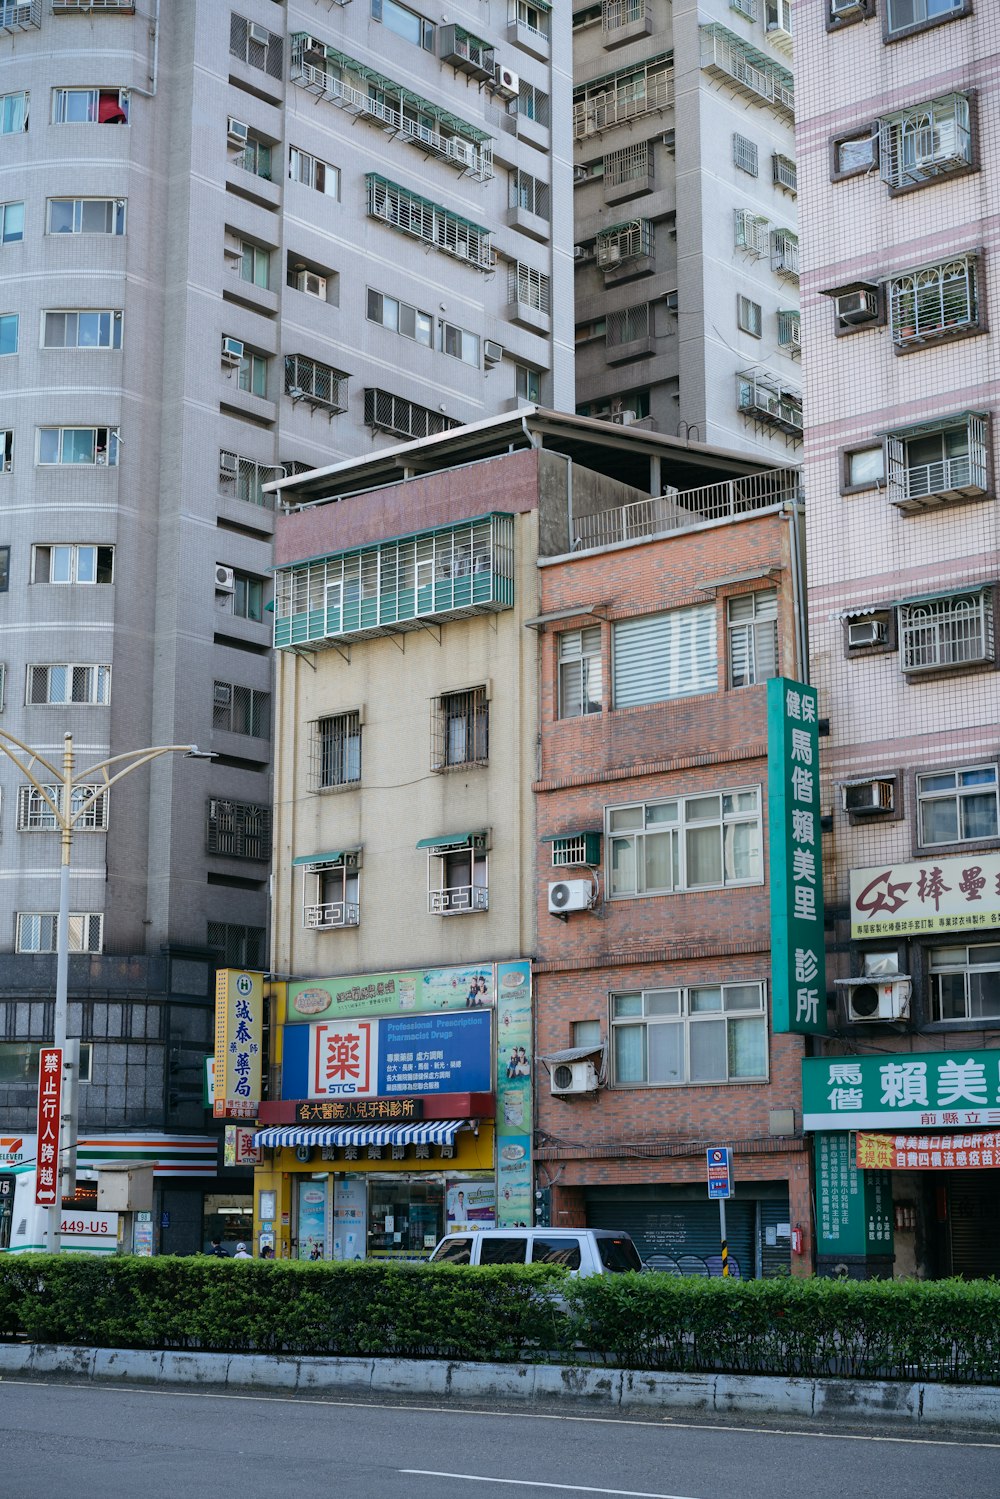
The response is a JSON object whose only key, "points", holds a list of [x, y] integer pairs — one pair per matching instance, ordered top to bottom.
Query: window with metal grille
{"points": [[746, 8], [618, 13], [20, 14], [533, 17], [256, 45], [624, 95], [533, 104], [917, 145], [745, 154], [628, 165], [785, 173], [527, 192], [422, 219], [750, 232], [624, 242], [785, 254], [530, 287], [928, 303], [748, 316], [630, 323], [789, 331], [317, 384], [766, 398], [385, 412], [935, 463], [243, 479], [752, 630], [952, 631], [580, 672], [65, 684], [241, 710], [460, 729], [336, 751], [88, 804], [958, 806], [241, 830], [687, 843], [570, 852], [458, 879], [330, 894], [37, 931], [240, 946], [965, 982], [712, 1033]]}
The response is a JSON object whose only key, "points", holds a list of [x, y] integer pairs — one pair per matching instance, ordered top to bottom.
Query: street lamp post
{"points": [[67, 812]]}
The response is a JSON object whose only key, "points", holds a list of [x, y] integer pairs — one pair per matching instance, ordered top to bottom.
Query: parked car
{"points": [[582, 1251]]}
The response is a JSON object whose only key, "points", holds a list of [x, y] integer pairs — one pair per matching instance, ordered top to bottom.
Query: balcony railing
{"points": [[65, 7], [20, 15], [753, 73], [616, 105], [422, 219], [662, 514], [458, 900], [335, 913]]}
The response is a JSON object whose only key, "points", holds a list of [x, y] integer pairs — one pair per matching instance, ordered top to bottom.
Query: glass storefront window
{"points": [[228, 1216], [405, 1216]]}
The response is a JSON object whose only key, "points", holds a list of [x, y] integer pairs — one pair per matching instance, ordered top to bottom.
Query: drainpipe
{"points": [[150, 93], [791, 514]]}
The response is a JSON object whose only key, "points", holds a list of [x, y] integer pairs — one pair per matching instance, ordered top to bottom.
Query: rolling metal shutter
{"points": [[974, 1221], [678, 1227], [776, 1258]]}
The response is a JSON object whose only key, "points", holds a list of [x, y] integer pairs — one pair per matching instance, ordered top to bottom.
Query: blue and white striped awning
{"points": [[435, 1132]]}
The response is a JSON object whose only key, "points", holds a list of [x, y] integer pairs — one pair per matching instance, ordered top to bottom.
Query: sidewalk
{"points": [[918, 1405]]}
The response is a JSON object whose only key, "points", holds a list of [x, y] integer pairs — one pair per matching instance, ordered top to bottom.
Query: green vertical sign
{"points": [[798, 959], [853, 1208]]}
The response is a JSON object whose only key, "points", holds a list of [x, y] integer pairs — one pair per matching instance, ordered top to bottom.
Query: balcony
{"points": [[625, 21], [467, 53], [751, 73], [620, 97], [422, 219], [769, 403], [936, 464], [662, 514], [331, 914]]}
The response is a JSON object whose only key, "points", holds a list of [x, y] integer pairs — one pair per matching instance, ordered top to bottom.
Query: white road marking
{"points": [[537, 1483]]}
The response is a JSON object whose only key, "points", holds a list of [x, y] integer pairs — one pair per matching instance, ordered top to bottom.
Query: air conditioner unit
{"points": [[846, 7], [258, 33], [313, 44], [506, 82], [238, 133], [944, 146], [580, 174], [580, 253], [609, 255], [312, 283], [857, 307], [232, 350], [492, 351], [626, 417], [229, 463], [225, 579], [866, 632], [869, 796], [570, 895], [872, 1000], [573, 1077]]}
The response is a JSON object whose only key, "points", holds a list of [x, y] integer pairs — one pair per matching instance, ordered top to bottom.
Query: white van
{"points": [[582, 1251]]}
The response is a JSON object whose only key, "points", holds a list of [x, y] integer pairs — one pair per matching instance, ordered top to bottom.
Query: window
{"points": [[746, 8], [901, 14], [532, 17], [404, 22], [255, 45], [624, 95], [532, 104], [89, 106], [13, 114], [918, 145], [854, 153], [745, 154], [255, 157], [632, 164], [312, 172], [785, 174], [527, 192], [86, 216], [427, 221], [11, 223], [750, 232], [785, 254], [255, 265], [529, 287], [929, 303], [748, 316], [401, 318], [82, 330], [790, 331], [8, 333], [459, 343], [252, 376], [317, 384], [527, 384], [766, 398], [385, 412], [74, 445], [6, 451], [931, 464], [864, 468], [243, 479], [72, 563], [4, 569], [752, 629], [951, 631], [662, 656], [580, 672], [69, 684], [241, 710], [460, 728], [336, 749], [958, 806], [35, 815], [241, 830], [687, 843], [574, 849], [462, 873], [330, 892], [36, 931], [239, 946], [965, 982], [585, 1033], [712, 1033], [19, 1062]]}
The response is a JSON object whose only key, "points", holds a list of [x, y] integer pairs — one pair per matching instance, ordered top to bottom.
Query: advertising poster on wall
{"points": [[414, 992], [391, 1056], [514, 1095], [471, 1205], [349, 1218], [312, 1219]]}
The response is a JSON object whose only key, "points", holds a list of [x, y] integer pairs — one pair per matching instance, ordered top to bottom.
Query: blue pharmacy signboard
{"points": [[389, 1056], [720, 1176]]}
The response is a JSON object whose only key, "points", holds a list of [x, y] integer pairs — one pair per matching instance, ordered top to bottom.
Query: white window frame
{"points": [[61, 96], [9, 112], [919, 144], [313, 171], [115, 206], [751, 232], [11, 237], [934, 301], [400, 317], [109, 337], [464, 344], [109, 448], [44, 554], [941, 633], [752, 637], [580, 668], [97, 684], [961, 792], [89, 806], [676, 822], [331, 894], [445, 896], [86, 931], [946, 963], [678, 1006]]}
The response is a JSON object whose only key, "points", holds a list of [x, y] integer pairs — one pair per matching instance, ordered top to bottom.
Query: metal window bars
{"points": [[64, 7], [618, 13], [20, 15], [256, 45], [755, 75], [625, 95], [918, 144], [745, 154], [627, 165], [784, 173], [529, 193], [422, 219], [751, 232], [624, 242], [785, 254], [530, 287], [928, 303], [628, 324], [789, 332], [315, 383], [766, 399], [385, 412], [960, 472], [244, 479], [954, 631], [241, 710], [460, 722], [336, 751], [34, 815], [240, 830], [241, 946]]}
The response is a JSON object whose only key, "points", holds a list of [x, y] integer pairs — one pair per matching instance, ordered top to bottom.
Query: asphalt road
{"points": [[66, 1441]]}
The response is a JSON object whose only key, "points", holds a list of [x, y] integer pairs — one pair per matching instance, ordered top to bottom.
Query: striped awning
{"points": [[435, 1132]]}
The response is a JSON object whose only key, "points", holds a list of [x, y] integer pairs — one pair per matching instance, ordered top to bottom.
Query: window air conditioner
{"points": [[846, 7], [258, 33], [315, 46], [506, 82], [238, 133], [944, 146], [580, 174], [609, 255], [312, 283], [857, 307], [232, 350], [492, 351], [627, 417], [229, 463], [225, 579], [866, 632], [869, 796], [570, 895], [869, 1000], [573, 1077]]}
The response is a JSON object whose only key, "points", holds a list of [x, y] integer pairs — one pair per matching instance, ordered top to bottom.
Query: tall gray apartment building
{"points": [[685, 203], [234, 242]]}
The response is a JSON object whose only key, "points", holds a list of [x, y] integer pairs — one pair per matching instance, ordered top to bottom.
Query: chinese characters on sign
{"points": [[938, 895], [798, 961], [417, 991], [239, 1026], [390, 1056], [50, 1060], [926, 1091], [360, 1111], [972, 1152], [514, 1200], [854, 1207]]}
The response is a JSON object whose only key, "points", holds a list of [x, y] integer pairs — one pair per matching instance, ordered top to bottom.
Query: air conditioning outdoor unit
{"points": [[846, 7], [258, 33], [314, 45], [506, 82], [238, 133], [944, 146], [580, 174], [609, 255], [311, 282], [857, 307], [232, 350], [492, 351], [627, 417], [229, 463], [225, 579], [866, 632], [869, 796], [570, 895], [873, 1000], [573, 1077]]}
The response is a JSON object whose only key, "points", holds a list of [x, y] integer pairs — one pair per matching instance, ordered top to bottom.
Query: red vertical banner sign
{"points": [[50, 1062]]}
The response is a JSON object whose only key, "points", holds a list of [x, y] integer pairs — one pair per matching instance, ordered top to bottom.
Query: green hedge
{"points": [[944, 1330]]}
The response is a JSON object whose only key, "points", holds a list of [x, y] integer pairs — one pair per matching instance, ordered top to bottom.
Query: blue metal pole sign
{"points": [[720, 1177]]}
